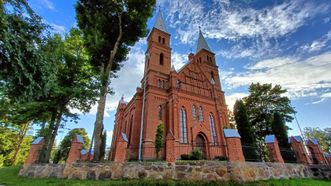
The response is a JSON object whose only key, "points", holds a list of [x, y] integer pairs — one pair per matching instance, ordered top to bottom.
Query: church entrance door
{"points": [[200, 144]]}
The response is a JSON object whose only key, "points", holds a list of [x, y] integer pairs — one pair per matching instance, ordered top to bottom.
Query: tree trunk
{"points": [[105, 72], [98, 127], [53, 136], [20, 140], [44, 149]]}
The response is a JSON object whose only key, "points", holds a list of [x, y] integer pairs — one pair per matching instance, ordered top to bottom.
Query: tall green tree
{"points": [[110, 28], [73, 85], [263, 101], [243, 125], [280, 130], [159, 139], [62, 152]]}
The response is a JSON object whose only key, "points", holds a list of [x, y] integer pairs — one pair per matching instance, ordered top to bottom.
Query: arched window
{"points": [[159, 39], [163, 40], [161, 59], [159, 83], [162, 83], [160, 112], [194, 112], [201, 114], [183, 125], [212, 129]]}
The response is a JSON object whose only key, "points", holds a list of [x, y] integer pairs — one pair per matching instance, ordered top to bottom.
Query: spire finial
{"points": [[159, 8], [199, 28]]}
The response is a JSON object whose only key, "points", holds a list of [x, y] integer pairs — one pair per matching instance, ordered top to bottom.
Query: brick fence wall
{"points": [[199, 170]]}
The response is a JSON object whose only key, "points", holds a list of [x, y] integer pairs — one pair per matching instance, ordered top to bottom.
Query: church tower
{"points": [[158, 54]]}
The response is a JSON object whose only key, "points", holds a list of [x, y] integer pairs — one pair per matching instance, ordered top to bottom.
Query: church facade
{"points": [[188, 102]]}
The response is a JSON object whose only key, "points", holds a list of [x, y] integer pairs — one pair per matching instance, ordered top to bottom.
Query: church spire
{"points": [[159, 23], [202, 44]]}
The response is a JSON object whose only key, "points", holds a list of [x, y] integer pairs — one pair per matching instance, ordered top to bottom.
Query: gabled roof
{"points": [[159, 23], [202, 44], [230, 133], [79, 138], [297, 138], [270, 139], [37, 141], [313, 141]]}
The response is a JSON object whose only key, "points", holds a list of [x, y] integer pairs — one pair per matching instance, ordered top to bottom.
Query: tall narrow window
{"points": [[159, 39], [163, 40], [161, 59], [158, 83], [160, 112], [194, 112], [201, 114], [183, 125], [212, 129], [130, 130]]}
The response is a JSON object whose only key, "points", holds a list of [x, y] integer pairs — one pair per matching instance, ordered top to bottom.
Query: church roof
{"points": [[159, 23], [202, 44], [231, 133], [270, 139]]}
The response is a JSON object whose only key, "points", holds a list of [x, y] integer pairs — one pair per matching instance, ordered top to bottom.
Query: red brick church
{"points": [[189, 102]]}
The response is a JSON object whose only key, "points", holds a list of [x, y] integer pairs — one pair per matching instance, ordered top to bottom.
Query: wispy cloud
{"points": [[47, 4], [57, 28], [251, 32], [317, 44], [301, 77], [232, 98]]}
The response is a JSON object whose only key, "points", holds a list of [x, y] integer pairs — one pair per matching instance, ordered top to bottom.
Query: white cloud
{"points": [[47, 4], [224, 20], [57, 28], [318, 44], [178, 60], [301, 77], [232, 98], [109, 133]]}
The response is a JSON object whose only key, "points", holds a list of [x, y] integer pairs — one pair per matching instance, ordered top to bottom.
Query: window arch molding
{"points": [[194, 112], [201, 118], [183, 125], [212, 128]]}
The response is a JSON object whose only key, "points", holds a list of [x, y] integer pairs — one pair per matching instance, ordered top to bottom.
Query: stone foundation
{"points": [[200, 170]]}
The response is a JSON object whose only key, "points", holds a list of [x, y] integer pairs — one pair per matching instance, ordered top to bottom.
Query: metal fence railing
{"points": [[288, 155]]}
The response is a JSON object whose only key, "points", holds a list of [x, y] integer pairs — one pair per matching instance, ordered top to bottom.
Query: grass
{"points": [[8, 177]]}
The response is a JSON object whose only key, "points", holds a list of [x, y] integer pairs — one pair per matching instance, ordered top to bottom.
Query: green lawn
{"points": [[8, 176]]}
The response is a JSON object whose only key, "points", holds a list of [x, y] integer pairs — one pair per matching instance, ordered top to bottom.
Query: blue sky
{"points": [[279, 42]]}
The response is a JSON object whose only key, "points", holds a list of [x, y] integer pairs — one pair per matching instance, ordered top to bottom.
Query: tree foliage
{"points": [[110, 28], [263, 102], [243, 125], [280, 130], [323, 136], [159, 139], [9, 140], [62, 152]]}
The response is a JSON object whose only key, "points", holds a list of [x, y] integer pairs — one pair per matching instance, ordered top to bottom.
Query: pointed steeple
{"points": [[159, 23], [202, 44]]}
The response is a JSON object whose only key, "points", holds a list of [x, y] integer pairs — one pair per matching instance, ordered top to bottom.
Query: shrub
{"points": [[196, 154], [185, 157], [221, 158]]}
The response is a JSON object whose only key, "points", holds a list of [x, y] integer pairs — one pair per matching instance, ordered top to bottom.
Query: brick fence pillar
{"points": [[233, 144], [273, 147], [121, 148], [170, 148], [75, 149], [299, 149], [34, 151], [316, 152]]}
